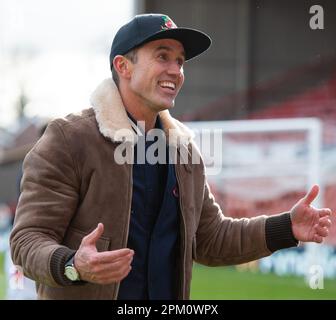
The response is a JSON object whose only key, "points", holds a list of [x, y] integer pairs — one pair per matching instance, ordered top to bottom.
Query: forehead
{"points": [[170, 44]]}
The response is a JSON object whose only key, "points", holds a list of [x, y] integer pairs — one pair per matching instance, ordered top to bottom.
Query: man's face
{"points": [[157, 75]]}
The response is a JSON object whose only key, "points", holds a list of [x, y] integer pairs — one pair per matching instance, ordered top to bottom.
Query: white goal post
{"points": [[224, 164]]}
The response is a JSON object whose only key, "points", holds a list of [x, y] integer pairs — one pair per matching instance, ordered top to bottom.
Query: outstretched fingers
{"points": [[324, 212], [324, 222], [321, 228], [321, 231], [113, 256], [112, 272]]}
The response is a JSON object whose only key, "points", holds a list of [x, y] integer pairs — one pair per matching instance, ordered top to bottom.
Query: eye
{"points": [[162, 56], [180, 62]]}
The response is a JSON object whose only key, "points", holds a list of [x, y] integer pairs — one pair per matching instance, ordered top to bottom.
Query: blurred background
{"points": [[268, 82]]}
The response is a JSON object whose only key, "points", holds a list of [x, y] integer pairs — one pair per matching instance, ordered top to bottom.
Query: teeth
{"points": [[167, 84]]}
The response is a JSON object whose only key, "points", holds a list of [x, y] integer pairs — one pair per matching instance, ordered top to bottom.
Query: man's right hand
{"points": [[101, 267]]}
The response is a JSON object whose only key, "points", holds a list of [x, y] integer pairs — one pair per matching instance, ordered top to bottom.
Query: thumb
{"points": [[311, 195], [92, 237]]}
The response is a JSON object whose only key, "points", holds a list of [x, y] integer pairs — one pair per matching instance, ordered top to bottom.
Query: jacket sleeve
{"points": [[48, 200], [225, 241]]}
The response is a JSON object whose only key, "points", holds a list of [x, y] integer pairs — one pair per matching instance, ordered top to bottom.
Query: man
{"points": [[149, 220]]}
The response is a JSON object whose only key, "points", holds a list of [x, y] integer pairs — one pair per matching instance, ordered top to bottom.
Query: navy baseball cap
{"points": [[144, 28]]}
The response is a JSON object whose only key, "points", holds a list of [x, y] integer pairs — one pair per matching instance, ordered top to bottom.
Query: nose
{"points": [[175, 69]]}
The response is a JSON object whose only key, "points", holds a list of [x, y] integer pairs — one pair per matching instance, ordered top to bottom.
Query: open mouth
{"points": [[167, 85]]}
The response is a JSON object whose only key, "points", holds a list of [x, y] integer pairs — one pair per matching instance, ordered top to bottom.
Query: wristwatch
{"points": [[70, 271]]}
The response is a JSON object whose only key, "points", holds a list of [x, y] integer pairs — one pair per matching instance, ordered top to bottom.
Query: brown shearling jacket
{"points": [[71, 182]]}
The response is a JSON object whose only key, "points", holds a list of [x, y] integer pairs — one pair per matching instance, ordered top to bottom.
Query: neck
{"points": [[139, 111], [139, 115]]}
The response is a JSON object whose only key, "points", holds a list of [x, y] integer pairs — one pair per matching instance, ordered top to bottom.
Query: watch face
{"points": [[71, 273]]}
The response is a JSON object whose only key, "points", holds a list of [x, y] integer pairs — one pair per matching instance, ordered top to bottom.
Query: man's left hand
{"points": [[309, 223]]}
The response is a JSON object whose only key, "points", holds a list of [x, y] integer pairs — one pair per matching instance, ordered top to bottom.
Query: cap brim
{"points": [[194, 42]]}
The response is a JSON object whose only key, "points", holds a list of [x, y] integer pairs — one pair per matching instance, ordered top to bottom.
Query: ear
{"points": [[122, 66]]}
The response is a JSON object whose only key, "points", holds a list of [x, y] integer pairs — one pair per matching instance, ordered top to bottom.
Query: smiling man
{"points": [[152, 83], [90, 227]]}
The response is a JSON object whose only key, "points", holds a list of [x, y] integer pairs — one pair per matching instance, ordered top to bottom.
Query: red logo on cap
{"points": [[168, 24]]}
